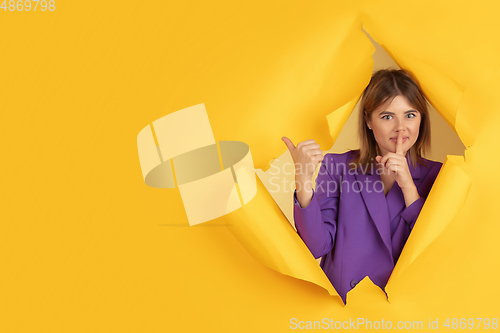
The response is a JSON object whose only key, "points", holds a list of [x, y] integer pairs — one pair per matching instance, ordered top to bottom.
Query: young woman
{"points": [[366, 201]]}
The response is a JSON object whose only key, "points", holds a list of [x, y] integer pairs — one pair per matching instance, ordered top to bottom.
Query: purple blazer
{"points": [[351, 223]]}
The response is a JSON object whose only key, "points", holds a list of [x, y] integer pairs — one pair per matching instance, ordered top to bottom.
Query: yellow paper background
{"points": [[86, 246]]}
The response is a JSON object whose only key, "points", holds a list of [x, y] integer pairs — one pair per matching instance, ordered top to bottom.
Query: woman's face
{"points": [[395, 116]]}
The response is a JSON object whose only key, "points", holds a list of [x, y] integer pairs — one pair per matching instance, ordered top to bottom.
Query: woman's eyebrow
{"points": [[389, 112]]}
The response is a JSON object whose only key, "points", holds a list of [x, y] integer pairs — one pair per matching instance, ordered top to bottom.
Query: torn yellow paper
{"points": [[337, 119], [183, 131], [207, 179], [444, 202], [254, 220], [265, 232], [87, 244]]}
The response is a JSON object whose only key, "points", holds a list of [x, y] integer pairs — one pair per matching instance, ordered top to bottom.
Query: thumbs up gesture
{"points": [[306, 157]]}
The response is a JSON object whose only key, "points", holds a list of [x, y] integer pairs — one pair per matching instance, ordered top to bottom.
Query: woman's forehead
{"points": [[395, 104]]}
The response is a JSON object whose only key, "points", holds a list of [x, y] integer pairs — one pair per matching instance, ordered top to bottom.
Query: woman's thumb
{"points": [[288, 143]]}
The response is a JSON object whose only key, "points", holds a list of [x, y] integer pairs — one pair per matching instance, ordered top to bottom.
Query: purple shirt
{"points": [[351, 223]]}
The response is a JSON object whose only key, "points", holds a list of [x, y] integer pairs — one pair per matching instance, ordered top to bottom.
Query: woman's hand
{"points": [[306, 157], [396, 166]]}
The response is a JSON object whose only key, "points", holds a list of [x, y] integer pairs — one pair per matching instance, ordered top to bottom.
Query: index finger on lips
{"points": [[399, 144]]}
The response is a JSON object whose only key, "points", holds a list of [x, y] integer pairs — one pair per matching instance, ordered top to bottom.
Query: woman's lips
{"points": [[395, 140]]}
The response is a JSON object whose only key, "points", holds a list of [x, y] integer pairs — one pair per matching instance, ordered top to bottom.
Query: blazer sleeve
{"points": [[411, 213], [317, 223]]}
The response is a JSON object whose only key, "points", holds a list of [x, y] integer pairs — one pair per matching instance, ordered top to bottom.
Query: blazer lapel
{"points": [[373, 196], [376, 204]]}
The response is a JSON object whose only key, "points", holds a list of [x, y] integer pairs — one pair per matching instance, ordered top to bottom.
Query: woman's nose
{"points": [[399, 125]]}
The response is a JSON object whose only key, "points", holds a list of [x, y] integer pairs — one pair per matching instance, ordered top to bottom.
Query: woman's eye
{"points": [[409, 115]]}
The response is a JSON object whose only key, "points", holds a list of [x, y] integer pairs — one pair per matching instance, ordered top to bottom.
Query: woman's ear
{"points": [[368, 122]]}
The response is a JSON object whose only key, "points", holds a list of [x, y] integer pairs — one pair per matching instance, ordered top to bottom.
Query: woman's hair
{"points": [[386, 84]]}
